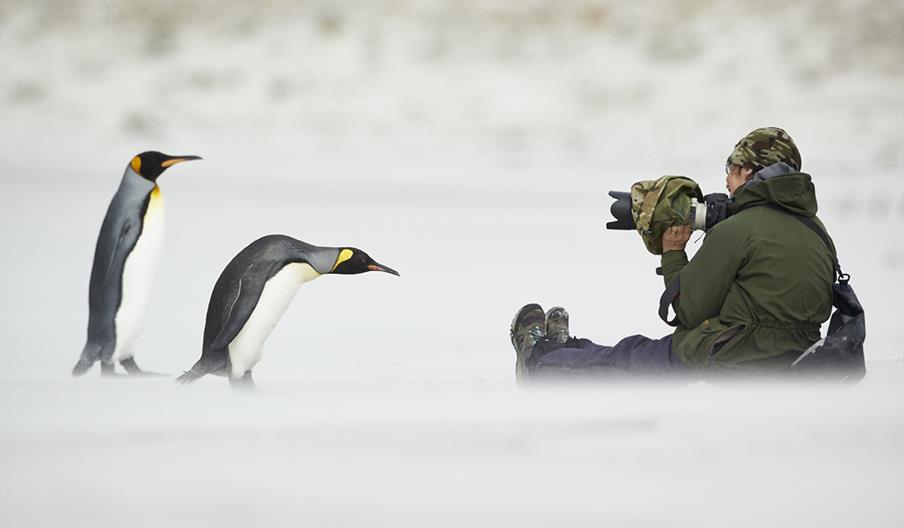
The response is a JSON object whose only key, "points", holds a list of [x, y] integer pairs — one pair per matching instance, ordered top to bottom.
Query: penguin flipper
{"points": [[116, 254], [250, 287]]}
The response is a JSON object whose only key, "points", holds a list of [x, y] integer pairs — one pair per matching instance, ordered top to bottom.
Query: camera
{"points": [[702, 214]]}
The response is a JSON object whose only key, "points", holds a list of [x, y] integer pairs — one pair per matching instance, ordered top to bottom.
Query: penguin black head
{"points": [[151, 164], [352, 261]]}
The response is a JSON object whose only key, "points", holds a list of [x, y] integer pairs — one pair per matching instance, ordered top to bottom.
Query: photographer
{"points": [[750, 301]]}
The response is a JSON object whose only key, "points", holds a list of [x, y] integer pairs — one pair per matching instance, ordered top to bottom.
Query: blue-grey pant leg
{"points": [[635, 355]]}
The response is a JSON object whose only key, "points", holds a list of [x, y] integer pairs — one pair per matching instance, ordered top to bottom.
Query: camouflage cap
{"points": [[763, 147]]}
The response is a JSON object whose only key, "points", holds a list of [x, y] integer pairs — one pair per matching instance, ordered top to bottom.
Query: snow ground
{"points": [[470, 145], [144, 453]]}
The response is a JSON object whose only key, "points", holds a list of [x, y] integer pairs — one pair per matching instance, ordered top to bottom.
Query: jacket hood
{"points": [[781, 185]]}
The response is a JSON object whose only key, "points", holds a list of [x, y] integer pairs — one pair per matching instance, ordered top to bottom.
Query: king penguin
{"points": [[125, 265], [253, 293]]}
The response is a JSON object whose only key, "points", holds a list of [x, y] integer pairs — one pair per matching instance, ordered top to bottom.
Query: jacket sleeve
{"points": [[672, 262], [706, 279]]}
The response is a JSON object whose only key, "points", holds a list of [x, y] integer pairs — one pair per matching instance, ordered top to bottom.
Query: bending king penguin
{"points": [[125, 265], [253, 293]]}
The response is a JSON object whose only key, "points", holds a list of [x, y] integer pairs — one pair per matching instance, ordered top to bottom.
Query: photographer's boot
{"points": [[557, 325], [528, 327]]}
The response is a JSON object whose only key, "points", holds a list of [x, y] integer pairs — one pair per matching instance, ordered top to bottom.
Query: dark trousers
{"points": [[635, 356]]}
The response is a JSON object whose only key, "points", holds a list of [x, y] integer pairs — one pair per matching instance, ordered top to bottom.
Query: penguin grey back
{"points": [[119, 232], [239, 287]]}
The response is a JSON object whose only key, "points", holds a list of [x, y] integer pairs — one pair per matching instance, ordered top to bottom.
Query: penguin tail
{"points": [[90, 355], [208, 364], [190, 376]]}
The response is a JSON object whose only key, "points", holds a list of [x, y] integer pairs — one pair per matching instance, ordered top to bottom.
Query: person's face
{"points": [[735, 177]]}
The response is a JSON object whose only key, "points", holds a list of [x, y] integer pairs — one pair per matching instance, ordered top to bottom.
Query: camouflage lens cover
{"points": [[659, 204]]}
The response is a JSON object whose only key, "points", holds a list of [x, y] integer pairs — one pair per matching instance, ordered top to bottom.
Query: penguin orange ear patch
{"points": [[136, 164]]}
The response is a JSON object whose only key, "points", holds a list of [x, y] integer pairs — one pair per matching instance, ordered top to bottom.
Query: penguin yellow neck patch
{"points": [[136, 164], [155, 205], [344, 255]]}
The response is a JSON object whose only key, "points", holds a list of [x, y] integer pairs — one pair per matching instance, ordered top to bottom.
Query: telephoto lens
{"points": [[703, 214]]}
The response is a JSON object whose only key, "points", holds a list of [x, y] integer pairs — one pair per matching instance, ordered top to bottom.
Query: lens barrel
{"points": [[697, 216]]}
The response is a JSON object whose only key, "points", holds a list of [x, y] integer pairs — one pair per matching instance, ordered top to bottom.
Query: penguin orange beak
{"points": [[178, 159], [385, 269]]}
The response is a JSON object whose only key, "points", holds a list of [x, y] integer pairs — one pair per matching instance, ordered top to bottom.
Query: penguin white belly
{"points": [[138, 277], [247, 347]]}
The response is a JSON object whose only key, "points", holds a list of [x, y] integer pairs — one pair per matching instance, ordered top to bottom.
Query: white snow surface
{"points": [[469, 145], [337, 453]]}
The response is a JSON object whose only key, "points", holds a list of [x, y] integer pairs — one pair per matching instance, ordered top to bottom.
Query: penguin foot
{"points": [[133, 370], [109, 371], [246, 382]]}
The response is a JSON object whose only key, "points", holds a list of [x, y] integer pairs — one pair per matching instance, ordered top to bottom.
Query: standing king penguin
{"points": [[125, 265], [253, 293]]}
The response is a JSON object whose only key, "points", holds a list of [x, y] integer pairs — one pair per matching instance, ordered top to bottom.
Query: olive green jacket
{"points": [[755, 294]]}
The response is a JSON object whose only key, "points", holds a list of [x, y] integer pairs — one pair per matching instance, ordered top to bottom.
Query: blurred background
{"points": [[469, 145]]}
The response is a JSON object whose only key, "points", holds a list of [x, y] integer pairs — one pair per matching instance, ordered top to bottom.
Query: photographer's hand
{"points": [[675, 238]]}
